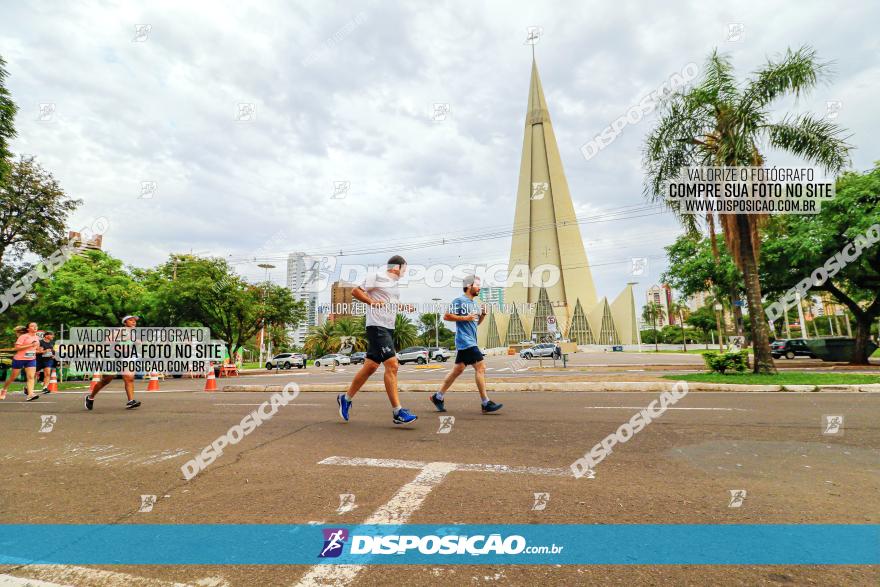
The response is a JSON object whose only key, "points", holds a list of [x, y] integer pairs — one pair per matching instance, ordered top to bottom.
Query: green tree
{"points": [[8, 110], [721, 123], [34, 211], [796, 246], [90, 289], [189, 290], [679, 309], [651, 313], [704, 320], [354, 328], [433, 329], [405, 332], [278, 337], [321, 340]]}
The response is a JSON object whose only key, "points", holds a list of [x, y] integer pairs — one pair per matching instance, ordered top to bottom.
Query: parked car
{"points": [[791, 348], [545, 349], [439, 353], [413, 354], [358, 358], [333, 359], [286, 361]]}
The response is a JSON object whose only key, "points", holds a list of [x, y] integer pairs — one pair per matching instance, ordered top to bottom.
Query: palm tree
{"points": [[721, 123], [679, 309], [651, 313], [353, 328], [405, 332], [321, 340]]}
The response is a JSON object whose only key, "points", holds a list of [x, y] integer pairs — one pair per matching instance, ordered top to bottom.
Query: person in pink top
{"points": [[26, 346]]}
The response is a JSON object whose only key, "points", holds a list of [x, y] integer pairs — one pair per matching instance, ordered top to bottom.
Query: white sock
{"points": [[439, 395], [348, 397], [485, 401], [396, 409]]}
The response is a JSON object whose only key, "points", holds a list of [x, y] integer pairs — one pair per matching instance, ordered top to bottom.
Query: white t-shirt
{"points": [[382, 287]]}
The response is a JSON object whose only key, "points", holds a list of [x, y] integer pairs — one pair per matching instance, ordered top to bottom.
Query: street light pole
{"points": [[267, 267], [436, 322]]}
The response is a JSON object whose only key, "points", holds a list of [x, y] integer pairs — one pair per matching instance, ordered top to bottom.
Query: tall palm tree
{"points": [[720, 122], [679, 309], [651, 313], [353, 328], [405, 332], [321, 340]]}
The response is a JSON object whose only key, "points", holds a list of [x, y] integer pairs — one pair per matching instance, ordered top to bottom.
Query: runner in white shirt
{"points": [[380, 292]]}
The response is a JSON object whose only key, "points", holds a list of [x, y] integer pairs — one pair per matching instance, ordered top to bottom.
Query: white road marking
{"points": [[669, 408], [404, 503]]}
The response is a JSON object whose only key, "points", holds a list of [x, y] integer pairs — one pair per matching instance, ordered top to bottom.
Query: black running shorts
{"points": [[380, 344], [469, 356]]}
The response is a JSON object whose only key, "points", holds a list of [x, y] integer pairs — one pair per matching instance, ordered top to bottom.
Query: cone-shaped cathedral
{"points": [[546, 232]]}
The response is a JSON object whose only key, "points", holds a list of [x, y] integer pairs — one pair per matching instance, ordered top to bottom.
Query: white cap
{"points": [[129, 317]]}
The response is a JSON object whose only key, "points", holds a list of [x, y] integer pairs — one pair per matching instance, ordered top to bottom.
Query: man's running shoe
{"points": [[45, 390], [32, 397], [88, 401], [438, 403], [132, 404], [344, 406], [491, 407], [404, 417]]}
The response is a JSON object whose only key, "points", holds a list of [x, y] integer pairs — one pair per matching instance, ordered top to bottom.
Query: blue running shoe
{"points": [[438, 403], [344, 406], [404, 417]]}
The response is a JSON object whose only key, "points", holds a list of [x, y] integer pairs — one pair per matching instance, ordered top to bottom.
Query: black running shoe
{"points": [[45, 390], [32, 397], [88, 401], [438, 403], [132, 404], [491, 407]]}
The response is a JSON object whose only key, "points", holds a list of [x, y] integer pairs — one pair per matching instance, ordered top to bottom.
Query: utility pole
{"points": [[267, 267], [436, 322]]}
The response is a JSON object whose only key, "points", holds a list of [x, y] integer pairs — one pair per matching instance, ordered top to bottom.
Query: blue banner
{"points": [[565, 544]]}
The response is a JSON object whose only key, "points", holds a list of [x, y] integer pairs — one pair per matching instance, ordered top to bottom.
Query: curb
{"points": [[592, 386]]}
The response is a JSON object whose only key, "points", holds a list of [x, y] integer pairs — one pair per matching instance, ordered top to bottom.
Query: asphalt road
{"points": [[93, 467]]}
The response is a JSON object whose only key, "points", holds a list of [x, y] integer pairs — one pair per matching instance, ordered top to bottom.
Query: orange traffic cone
{"points": [[95, 379], [210, 381], [53, 382], [153, 385]]}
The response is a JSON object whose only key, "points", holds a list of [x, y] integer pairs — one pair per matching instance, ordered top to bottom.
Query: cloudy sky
{"points": [[346, 92]]}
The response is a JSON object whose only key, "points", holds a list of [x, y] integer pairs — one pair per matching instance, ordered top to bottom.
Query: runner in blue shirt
{"points": [[467, 315]]}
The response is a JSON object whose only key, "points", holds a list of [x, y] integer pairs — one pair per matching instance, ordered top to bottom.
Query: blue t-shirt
{"points": [[465, 332]]}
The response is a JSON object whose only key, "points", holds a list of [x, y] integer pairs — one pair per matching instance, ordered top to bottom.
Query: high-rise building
{"points": [[546, 232], [93, 244], [300, 282], [662, 295], [698, 300], [342, 303]]}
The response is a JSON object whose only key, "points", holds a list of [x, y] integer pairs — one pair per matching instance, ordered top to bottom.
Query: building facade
{"points": [[301, 285]]}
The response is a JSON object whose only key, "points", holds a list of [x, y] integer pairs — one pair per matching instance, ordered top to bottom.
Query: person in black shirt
{"points": [[46, 358]]}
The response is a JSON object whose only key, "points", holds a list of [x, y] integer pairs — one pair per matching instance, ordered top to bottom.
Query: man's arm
{"points": [[360, 295]]}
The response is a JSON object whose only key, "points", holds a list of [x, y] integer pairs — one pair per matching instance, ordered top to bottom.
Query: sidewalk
{"points": [[580, 386]]}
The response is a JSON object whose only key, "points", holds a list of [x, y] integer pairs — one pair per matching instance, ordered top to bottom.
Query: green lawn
{"points": [[783, 378]]}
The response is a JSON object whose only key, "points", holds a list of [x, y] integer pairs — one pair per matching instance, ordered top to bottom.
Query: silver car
{"points": [[546, 349], [334, 359], [286, 361]]}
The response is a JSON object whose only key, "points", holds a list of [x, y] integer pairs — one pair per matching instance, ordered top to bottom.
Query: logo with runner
{"points": [[47, 423], [334, 540]]}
